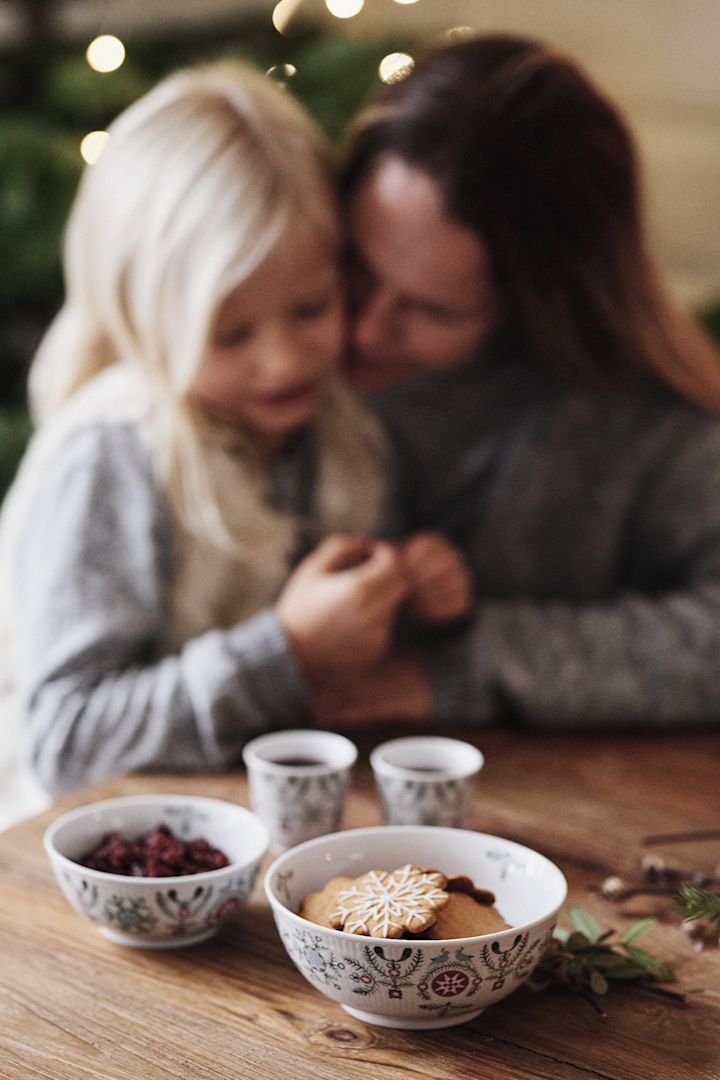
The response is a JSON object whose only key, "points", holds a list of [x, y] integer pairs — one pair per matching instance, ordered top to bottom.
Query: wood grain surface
{"points": [[73, 1006]]}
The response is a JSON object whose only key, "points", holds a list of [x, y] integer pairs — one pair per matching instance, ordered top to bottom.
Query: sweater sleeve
{"points": [[91, 569], [648, 655]]}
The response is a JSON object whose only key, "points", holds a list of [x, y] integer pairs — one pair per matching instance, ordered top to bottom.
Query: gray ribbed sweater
{"points": [[591, 520], [129, 643], [101, 693]]}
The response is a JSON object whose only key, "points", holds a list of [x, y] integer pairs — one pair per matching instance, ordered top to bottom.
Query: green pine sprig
{"points": [[695, 903], [588, 960]]}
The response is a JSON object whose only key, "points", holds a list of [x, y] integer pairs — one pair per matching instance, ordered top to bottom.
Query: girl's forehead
{"points": [[304, 259]]}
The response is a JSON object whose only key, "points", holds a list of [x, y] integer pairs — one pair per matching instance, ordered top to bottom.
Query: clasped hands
{"points": [[339, 610]]}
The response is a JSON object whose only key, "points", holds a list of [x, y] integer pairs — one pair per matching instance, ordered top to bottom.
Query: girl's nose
{"points": [[280, 354]]}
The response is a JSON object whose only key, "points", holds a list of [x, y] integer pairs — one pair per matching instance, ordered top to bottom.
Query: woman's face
{"points": [[422, 293], [277, 338]]}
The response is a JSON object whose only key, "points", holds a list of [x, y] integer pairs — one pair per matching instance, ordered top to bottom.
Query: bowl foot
{"points": [[136, 942], [429, 1024]]}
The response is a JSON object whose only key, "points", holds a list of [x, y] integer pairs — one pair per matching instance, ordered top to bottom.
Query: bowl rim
{"points": [[55, 855], [520, 928]]}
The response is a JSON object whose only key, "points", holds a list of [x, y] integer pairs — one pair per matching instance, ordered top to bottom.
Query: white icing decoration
{"points": [[391, 902]]}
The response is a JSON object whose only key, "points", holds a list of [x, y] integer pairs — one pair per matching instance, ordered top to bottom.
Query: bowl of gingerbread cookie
{"points": [[414, 926]]}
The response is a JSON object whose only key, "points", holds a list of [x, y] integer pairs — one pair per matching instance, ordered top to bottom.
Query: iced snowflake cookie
{"points": [[390, 903], [376, 904]]}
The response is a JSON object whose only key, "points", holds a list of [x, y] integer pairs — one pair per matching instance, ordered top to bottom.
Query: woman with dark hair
{"points": [[557, 410]]}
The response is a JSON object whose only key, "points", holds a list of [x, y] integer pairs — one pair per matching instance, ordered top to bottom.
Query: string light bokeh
{"points": [[344, 9], [106, 53], [395, 66], [281, 73], [92, 146]]}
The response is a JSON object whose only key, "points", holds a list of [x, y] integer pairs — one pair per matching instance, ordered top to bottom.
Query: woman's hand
{"points": [[440, 582], [338, 607]]}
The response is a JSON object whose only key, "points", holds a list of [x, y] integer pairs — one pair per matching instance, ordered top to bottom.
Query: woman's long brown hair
{"points": [[530, 155]]}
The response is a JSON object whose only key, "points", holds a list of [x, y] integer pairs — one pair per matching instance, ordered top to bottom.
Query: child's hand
{"points": [[441, 586], [338, 608]]}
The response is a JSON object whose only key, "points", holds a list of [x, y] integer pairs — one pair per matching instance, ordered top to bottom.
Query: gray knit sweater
{"points": [[591, 520], [135, 644]]}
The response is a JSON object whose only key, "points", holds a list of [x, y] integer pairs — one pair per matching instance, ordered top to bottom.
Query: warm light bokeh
{"points": [[344, 9], [105, 53], [395, 66], [92, 146]]}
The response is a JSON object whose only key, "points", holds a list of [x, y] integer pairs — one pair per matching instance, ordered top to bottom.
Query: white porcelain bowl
{"points": [[158, 912], [417, 983]]}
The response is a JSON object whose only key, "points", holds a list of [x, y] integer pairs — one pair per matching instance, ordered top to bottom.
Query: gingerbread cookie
{"points": [[460, 883], [388, 904], [317, 907], [463, 917]]}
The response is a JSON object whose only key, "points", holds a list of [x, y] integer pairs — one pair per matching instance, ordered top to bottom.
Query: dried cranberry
{"points": [[156, 853]]}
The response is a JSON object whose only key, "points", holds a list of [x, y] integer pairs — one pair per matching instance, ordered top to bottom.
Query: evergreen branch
{"points": [[694, 903]]}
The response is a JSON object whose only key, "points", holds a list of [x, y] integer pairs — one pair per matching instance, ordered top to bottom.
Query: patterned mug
{"points": [[298, 780], [426, 780]]}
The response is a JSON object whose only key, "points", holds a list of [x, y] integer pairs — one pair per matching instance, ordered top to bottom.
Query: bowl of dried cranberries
{"points": [[157, 871]]}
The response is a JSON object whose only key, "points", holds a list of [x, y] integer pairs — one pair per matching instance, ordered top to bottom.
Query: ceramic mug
{"points": [[426, 780], [298, 781]]}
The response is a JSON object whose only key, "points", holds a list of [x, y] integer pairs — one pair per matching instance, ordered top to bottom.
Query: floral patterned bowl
{"points": [[158, 912], [417, 983]]}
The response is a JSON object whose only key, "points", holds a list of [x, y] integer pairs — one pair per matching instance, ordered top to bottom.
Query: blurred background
{"points": [[657, 58]]}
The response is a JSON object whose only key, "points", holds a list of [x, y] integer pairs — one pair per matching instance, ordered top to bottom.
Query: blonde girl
{"points": [[193, 441]]}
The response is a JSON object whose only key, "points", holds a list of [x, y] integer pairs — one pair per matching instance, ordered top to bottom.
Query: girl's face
{"points": [[276, 339]]}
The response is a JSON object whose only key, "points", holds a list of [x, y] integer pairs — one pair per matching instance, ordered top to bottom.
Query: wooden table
{"points": [[73, 1005]]}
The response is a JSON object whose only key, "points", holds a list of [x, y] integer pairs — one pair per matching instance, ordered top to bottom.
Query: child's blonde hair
{"points": [[198, 182]]}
